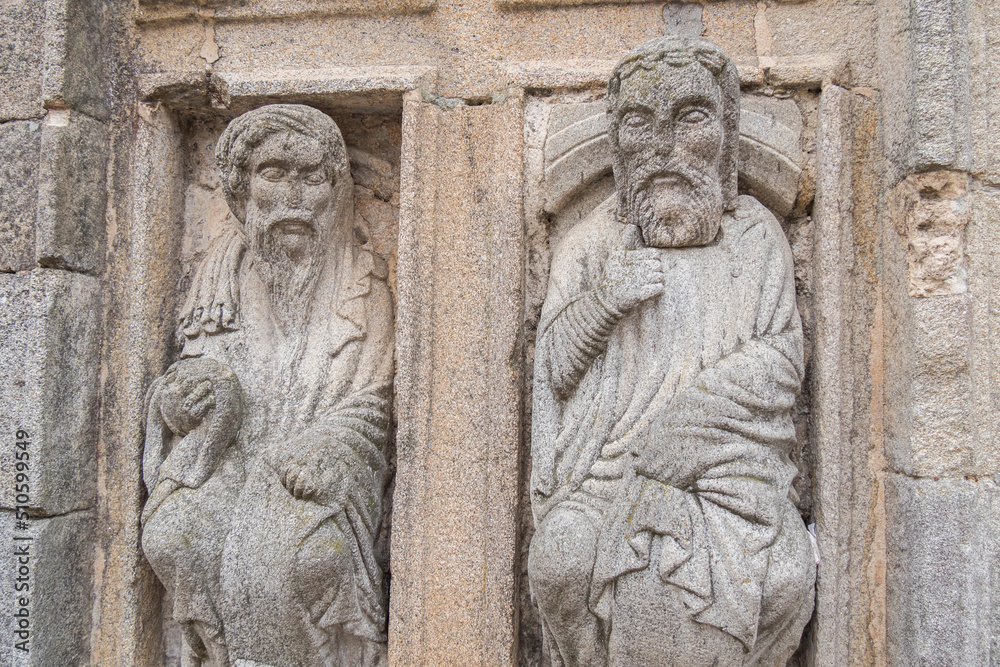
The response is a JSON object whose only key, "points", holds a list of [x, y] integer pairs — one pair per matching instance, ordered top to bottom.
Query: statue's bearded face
{"points": [[669, 140], [289, 208], [290, 215]]}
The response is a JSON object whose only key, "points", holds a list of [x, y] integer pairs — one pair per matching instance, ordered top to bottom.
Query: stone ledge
{"points": [[256, 10], [789, 72], [354, 88]]}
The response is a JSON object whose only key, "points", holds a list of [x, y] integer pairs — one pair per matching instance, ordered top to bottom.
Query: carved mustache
{"points": [[682, 174], [288, 220]]}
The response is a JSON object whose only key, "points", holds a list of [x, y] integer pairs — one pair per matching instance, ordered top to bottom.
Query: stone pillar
{"points": [[53, 162], [941, 235], [141, 300], [458, 387]]}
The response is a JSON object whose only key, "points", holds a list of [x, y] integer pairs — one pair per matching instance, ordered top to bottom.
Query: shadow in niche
{"points": [[373, 141], [572, 175]]}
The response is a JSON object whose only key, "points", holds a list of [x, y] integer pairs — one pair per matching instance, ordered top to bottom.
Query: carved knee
{"points": [[561, 557]]}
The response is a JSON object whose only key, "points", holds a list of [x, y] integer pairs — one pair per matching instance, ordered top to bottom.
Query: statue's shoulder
{"points": [[752, 221], [753, 236], [591, 238]]}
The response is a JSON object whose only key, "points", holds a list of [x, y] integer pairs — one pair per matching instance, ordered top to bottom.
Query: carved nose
{"points": [[663, 139], [295, 194]]}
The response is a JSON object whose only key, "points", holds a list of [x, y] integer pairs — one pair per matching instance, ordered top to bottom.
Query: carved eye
{"points": [[693, 116], [634, 120], [272, 173], [315, 177]]}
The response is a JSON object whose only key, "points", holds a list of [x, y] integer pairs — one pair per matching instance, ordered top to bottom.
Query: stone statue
{"points": [[668, 358], [264, 443]]}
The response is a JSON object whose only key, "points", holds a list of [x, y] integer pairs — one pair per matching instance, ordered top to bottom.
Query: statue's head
{"points": [[673, 122], [286, 176]]}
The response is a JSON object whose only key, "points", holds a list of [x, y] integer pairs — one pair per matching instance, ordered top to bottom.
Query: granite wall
{"points": [[874, 144]]}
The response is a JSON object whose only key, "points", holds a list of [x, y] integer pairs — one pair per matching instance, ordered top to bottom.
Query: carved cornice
{"points": [[169, 11]]}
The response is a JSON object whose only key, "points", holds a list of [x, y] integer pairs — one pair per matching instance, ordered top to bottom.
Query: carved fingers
{"points": [[632, 273], [192, 388], [199, 399], [184, 402], [312, 477], [298, 479]]}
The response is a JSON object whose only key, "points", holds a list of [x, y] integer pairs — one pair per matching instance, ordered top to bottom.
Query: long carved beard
{"points": [[685, 212], [290, 284]]}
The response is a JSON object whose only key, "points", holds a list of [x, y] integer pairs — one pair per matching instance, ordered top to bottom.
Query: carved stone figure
{"points": [[668, 358], [264, 442]]}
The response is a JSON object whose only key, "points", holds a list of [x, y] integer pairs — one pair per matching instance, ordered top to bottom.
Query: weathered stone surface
{"points": [[682, 20], [22, 26], [75, 60], [925, 70], [984, 70], [19, 146], [771, 151], [72, 194], [930, 212], [146, 214], [983, 248], [51, 321], [668, 357], [889, 375], [458, 385], [939, 435], [264, 456], [944, 558], [47, 578]]}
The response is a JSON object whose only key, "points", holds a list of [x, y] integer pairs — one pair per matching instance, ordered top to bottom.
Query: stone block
{"points": [[682, 20], [21, 32], [74, 63], [925, 63], [19, 146], [770, 155], [71, 196], [50, 323], [938, 435], [46, 574], [941, 578]]}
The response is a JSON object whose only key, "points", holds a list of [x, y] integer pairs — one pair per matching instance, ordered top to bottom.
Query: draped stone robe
{"points": [[701, 381], [288, 582]]}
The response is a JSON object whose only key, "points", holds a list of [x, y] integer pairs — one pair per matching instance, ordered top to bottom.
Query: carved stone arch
{"points": [[577, 153]]}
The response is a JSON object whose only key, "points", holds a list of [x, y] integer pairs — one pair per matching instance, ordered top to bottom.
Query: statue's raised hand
{"points": [[632, 273], [186, 395], [195, 413]]}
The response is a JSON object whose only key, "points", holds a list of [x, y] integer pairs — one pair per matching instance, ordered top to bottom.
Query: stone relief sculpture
{"points": [[668, 358], [264, 443]]}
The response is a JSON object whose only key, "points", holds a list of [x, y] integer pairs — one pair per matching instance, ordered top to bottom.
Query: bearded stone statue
{"points": [[668, 358], [264, 443]]}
